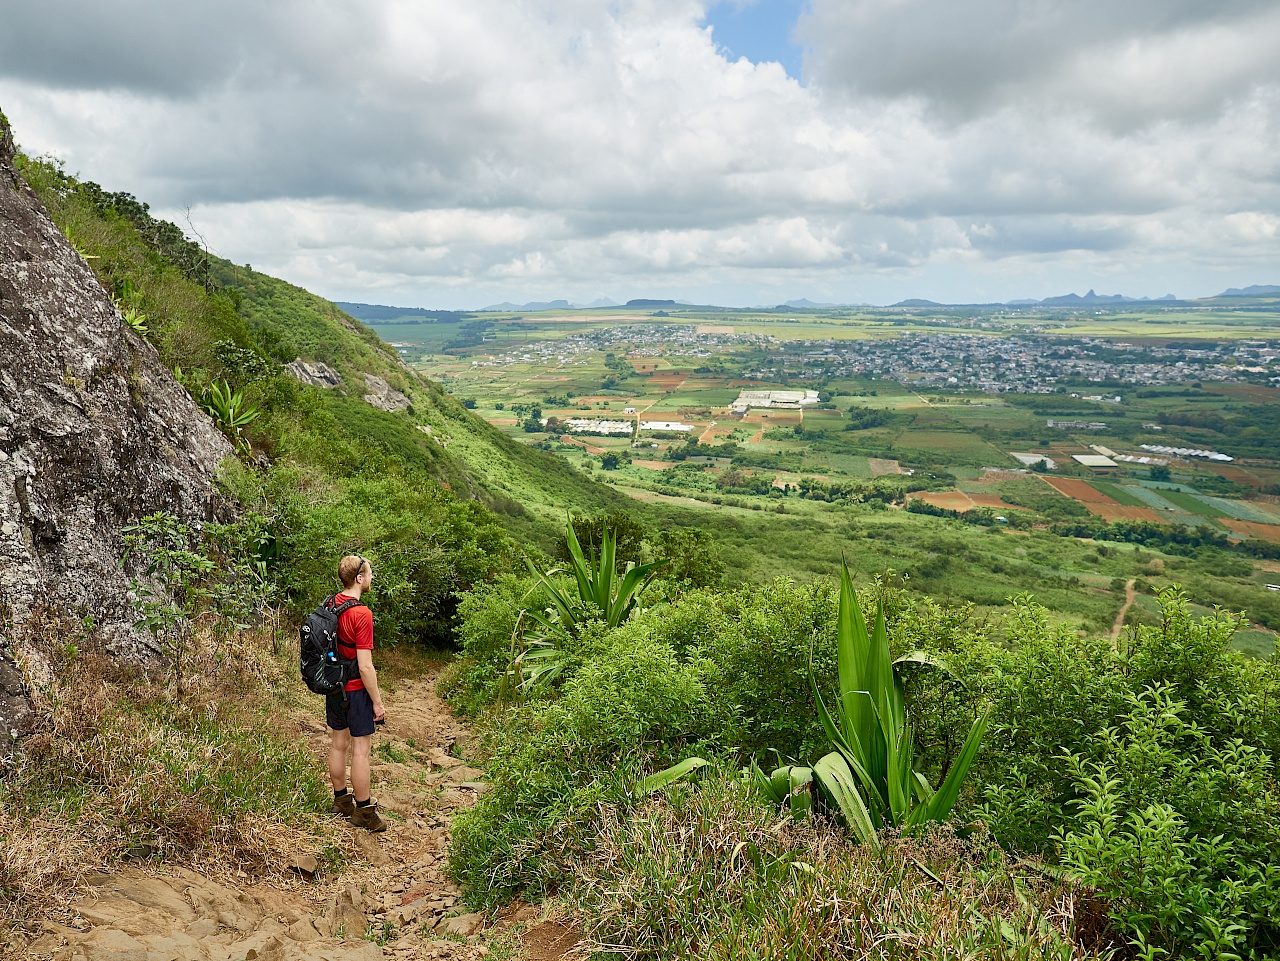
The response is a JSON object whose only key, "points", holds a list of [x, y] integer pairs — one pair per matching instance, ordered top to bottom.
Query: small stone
{"points": [[371, 851], [140, 852], [306, 866], [461, 925], [203, 928], [303, 930]]}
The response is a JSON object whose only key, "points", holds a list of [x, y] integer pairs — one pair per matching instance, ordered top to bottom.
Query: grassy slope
{"points": [[530, 490]]}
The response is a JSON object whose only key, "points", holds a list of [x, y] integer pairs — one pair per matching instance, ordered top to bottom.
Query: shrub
{"points": [[426, 546], [488, 621], [627, 709], [1123, 759]]}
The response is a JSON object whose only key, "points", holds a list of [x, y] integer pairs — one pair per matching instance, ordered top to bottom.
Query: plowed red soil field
{"points": [[1077, 490], [948, 500], [1098, 503], [1264, 532]]}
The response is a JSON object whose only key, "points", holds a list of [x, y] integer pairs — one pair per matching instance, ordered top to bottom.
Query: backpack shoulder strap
{"points": [[346, 605]]}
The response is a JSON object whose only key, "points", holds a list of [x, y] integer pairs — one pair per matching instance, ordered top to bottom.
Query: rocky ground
{"points": [[391, 899]]}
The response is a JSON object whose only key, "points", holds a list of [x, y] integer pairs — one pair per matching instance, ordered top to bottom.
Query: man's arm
{"points": [[369, 675]]}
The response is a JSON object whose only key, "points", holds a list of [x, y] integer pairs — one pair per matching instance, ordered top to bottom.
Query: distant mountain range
{"points": [[1257, 290], [1075, 300], [534, 306], [373, 313]]}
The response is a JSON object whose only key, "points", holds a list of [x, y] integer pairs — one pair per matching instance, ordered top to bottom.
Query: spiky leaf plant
{"points": [[229, 411], [597, 593], [871, 775]]}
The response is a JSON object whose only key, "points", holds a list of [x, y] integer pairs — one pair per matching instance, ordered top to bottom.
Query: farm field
{"points": [[875, 446]]}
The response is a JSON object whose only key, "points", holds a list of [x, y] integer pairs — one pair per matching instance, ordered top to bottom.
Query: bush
{"points": [[426, 546], [488, 617], [626, 710], [1122, 759], [1149, 770]]}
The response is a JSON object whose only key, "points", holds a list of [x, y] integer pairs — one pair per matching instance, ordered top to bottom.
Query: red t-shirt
{"points": [[355, 632]]}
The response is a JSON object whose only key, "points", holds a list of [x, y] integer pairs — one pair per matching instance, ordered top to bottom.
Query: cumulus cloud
{"points": [[480, 151]]}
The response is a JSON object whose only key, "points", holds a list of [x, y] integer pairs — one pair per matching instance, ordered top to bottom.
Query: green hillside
{"points": [[529, 489]]}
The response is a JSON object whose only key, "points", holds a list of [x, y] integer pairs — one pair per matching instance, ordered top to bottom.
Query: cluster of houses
{"points": [[1017, 364], [621, 428]]}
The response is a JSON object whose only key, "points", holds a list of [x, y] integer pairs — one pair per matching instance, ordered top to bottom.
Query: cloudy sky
{"points": [[456, 153]]}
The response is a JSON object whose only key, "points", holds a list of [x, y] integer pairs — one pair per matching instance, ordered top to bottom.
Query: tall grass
{"points": [[127, 764], [710, 874]]}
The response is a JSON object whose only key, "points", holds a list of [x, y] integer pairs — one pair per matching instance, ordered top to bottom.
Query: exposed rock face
{"points": [[314, 373], [382, 395], [94, 434]]}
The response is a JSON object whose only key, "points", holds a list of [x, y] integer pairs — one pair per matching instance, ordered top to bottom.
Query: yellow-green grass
{"points": [[949, 441], [1118, 493]]}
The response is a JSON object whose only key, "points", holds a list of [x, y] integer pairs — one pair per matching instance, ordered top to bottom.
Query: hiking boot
{"points": [[345, 806], [367, 817]]}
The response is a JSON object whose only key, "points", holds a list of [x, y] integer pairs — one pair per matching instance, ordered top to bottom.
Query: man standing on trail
{"points": [[352, 713]]}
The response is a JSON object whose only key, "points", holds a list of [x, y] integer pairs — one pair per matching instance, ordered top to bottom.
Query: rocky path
{"points": [[391, 900]]}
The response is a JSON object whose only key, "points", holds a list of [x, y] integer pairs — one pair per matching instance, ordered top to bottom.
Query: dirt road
{"points": [[1130, 594]]}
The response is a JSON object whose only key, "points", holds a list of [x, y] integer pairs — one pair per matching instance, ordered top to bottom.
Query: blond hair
{"points": [[349, 569]]}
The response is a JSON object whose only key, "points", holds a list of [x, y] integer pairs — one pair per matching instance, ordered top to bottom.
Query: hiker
{"points": [[352, 713]]}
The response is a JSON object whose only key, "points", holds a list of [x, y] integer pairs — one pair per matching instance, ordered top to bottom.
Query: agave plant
{"points": [[135, 320], [229, 411], [601, 594], [870, 775], [789, 786]]}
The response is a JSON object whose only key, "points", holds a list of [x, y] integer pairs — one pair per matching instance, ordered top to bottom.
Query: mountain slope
{"points": [[529, 489]]}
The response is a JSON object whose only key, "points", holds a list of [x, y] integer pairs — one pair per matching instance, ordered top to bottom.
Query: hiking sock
{"points": [[338, 795], [365, 803]]}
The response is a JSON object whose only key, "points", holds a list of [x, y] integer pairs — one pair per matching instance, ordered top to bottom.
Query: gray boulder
{"points": [[95, 433]]}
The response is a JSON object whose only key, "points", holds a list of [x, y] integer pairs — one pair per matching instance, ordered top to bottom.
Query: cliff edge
{"points": [[95, 433]]}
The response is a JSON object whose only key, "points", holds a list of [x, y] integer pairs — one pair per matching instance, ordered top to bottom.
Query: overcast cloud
{"points": [[447, 153]]}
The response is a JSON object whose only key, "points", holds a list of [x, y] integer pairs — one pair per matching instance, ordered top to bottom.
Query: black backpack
{"points": [[324, 670]]}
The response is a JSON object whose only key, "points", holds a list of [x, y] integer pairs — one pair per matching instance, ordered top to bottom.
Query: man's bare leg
{"points": [[339, 744], [360, 750]]}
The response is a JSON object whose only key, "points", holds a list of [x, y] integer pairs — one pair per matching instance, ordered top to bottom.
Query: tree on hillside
{"points": [[628, 534], [693, 556]]}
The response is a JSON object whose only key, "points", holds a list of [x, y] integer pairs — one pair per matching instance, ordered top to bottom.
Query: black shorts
{"points": [[354, 712]]}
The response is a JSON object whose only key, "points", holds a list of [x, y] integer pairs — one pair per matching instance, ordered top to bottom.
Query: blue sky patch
{"points": [[760, 30]]}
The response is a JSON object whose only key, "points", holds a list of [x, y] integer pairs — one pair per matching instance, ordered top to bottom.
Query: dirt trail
{"points": [[1130, 594], [392, 899]]}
